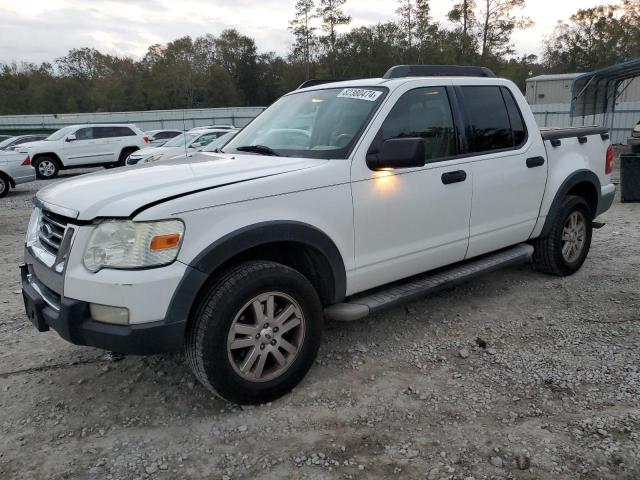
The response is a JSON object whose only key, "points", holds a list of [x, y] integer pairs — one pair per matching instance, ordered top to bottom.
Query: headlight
{"points": [[152, 158], [34, 224], [124, 244]]}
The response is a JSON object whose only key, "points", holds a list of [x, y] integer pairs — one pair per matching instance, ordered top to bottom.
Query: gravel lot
{"points": [[515, 375]]}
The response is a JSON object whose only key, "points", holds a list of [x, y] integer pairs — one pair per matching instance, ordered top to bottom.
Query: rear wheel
{"points": [[46, 168], [4, 186], [564, 250], [256, 332]]}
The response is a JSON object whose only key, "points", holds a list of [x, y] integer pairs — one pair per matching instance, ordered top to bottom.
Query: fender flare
{"points": [[580, 176], [263, 233], [200, 269]]}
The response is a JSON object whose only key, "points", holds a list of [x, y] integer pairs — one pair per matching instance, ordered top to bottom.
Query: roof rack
{"points": [[401, 71], [316, 81]]}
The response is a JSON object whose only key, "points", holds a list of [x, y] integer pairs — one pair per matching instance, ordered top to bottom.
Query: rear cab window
{"points": [[488, 126]]}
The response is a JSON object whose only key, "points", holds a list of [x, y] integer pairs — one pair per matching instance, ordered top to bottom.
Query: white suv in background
{"points": [[82, 146]]}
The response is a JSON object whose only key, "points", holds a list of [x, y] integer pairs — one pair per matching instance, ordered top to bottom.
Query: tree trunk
{"points": [[485, 33]]}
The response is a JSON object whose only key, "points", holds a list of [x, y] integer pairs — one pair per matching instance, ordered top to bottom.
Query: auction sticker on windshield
{"points": [[360, 94]]}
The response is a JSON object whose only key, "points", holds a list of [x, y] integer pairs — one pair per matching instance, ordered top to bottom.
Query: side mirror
{"points": [[71, 137], [195, 145], [398, 153]]}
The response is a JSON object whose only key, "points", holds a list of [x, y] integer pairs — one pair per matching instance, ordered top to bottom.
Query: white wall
{"points": [[148, 120]]}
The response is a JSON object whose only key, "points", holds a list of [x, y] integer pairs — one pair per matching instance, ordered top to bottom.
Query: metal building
{"points": [[546, 89], [551, 96]]}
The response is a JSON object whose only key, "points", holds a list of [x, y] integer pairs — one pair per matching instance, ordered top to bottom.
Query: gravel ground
{"points": [[516, 375]]}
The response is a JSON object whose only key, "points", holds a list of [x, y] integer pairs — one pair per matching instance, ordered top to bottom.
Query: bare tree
{"points": [[463, 15], [332, 16], [407, 21], [498, 25], [304, 32]]}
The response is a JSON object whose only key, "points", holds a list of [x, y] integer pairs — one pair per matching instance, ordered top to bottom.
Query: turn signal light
{"points": [[611, 155], [27, 161], [165, 242]]}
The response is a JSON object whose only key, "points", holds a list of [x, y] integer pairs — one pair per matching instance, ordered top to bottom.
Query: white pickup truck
{"points": [[340, 200]]}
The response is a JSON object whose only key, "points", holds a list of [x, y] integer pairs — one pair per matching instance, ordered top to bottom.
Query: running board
{"points": [[423, 285]]}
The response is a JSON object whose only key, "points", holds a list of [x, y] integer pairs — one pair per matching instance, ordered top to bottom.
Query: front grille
{"points": [[51, 231]]}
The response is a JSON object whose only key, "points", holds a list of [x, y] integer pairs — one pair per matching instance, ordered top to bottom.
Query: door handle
{"points": [[535, 162], [454, 177]]}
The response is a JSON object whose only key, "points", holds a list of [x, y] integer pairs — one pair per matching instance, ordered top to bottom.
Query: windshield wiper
{"points": [[260, 149]]}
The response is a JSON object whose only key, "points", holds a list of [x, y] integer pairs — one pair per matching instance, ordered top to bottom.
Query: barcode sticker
{"points": [[360, 94]]}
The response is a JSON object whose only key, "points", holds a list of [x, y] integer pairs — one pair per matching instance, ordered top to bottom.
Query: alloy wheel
{"points": [[46, 168], [574, 236], [265, 336]]}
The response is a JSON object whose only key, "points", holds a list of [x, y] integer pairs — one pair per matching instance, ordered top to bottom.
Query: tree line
{"points": [[229, 70]]}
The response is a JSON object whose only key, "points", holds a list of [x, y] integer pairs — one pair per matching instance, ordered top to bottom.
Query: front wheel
{"points": [[46, 168], [563, 251], [255, 333]]}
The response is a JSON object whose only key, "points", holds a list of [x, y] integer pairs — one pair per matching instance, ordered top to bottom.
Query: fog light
{"points": [[107, 314]]}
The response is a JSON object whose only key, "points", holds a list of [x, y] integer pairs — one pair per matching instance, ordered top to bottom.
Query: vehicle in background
{"points": [[210, 127], [157, 138], [187, 142], [12, 143], [84, 146], [213, 147], [15, 168], [403, 186]]}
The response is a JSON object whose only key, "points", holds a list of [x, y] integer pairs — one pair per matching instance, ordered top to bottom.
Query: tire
{"points": [[124, 154], [46, 168], [5, 185], [563, 251], [233, 354]]}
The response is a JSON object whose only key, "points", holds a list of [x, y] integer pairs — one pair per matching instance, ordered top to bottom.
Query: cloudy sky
{"points": [[42, 30]]}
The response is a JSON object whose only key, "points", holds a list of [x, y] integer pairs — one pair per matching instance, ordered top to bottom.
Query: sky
{"points": [[43, 30]]}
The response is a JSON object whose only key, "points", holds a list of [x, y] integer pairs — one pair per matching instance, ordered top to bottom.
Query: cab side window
{"points": [[424, 113], [515, 117], [488, 120], [84, 134]]}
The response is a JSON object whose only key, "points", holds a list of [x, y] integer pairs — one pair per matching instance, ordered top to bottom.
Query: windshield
{"points": [[314, 124], [63, 132], [180, 140], [6, 142], [219, 142]]}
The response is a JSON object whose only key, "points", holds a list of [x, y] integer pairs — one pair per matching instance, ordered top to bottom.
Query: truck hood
{"points": [[122, 191]]}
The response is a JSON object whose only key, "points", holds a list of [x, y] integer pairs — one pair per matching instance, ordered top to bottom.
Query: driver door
{"points": [[408, 221]]}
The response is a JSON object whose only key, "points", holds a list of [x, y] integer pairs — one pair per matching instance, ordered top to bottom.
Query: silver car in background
{"points": [[13, 143], [15, 168]]}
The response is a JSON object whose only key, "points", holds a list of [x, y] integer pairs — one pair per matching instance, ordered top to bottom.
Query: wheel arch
{"points": [[53, 155], [9, 179], [584, 184], [295, 244]]}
